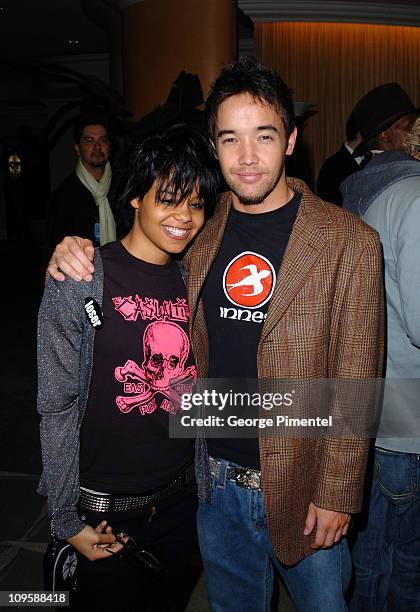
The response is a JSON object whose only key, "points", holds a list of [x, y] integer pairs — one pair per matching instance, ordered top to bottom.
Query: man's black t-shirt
{"points": [[236, 297], [125, 445]]}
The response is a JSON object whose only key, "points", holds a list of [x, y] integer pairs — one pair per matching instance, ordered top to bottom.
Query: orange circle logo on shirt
{"points": [[249, 280]]}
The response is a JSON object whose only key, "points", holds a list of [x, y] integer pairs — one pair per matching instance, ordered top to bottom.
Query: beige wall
{"points": [[163, 37], [333, 65]]}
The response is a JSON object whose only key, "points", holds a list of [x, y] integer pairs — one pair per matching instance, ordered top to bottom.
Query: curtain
{"points": [[332, 65]]}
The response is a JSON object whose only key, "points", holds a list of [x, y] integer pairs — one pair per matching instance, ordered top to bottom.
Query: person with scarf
{"points": [[80, 204]]}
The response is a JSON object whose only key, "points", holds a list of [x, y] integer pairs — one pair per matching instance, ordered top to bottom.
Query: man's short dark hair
{"points": [[261, 82], [90, 119], [352, 128], [180, 158]]}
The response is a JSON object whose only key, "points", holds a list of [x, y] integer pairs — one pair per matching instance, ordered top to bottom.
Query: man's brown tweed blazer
{"points": [[325, 320]]}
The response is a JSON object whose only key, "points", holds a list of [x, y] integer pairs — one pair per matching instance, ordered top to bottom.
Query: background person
{"points": [[340, 165], [386, 194], [80, 204]]}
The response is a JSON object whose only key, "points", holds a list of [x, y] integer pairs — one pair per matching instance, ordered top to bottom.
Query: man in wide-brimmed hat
{"points": [[384, 115], [386, 194]]}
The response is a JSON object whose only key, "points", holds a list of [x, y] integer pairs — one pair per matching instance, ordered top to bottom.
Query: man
{"points": [[340, 165], [386, 193], [80, 204], [274, 501]]}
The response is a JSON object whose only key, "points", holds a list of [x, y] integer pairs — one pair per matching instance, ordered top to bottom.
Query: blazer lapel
{"points": [[306, 245], [204, 251]]}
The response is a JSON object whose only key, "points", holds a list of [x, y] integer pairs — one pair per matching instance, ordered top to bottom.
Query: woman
{"points": [[113, 358]]}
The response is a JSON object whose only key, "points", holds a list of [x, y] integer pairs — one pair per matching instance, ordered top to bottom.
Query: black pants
{"points": [[169, 533]]}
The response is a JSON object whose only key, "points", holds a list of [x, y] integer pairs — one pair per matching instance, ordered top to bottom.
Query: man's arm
{"points": [[72, 257], [357, 355]]}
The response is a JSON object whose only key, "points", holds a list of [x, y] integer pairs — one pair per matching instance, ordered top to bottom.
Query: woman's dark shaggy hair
{"points": [[180, 159]]}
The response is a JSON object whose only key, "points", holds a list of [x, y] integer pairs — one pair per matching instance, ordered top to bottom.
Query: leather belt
{"points": [[243, 477], [98, 502]]}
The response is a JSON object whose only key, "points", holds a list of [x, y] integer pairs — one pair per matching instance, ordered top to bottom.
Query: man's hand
{"points": [[73, 257], [330, 526], [98, 543]]}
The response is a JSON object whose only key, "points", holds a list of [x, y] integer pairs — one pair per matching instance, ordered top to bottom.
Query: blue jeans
{"points": [[386, 553], [239, 559]]}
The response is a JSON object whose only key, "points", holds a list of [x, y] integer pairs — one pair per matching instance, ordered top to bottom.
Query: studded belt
{"points": [[243, 477], [101, 502]]}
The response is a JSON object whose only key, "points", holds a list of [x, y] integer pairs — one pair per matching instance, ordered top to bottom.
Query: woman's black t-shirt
{"points": [[143, 345]]}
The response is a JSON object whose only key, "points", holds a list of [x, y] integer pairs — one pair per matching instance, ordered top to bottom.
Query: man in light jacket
{"points": [[386, 194]]}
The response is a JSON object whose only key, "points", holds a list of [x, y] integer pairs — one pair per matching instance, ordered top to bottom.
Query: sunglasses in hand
{"points": [[136, 554]]}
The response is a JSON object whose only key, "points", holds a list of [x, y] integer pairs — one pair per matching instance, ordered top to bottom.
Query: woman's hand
{"points": [[98, 543]]}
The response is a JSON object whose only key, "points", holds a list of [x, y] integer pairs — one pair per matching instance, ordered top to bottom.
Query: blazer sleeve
{"points": [[61, 324], [357, 364]]}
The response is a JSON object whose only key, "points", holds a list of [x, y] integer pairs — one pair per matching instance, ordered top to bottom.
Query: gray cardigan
{"points": [[65, 359]]}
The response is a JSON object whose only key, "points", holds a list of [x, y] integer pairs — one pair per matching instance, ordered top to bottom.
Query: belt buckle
{"points": [[248, 479]]}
